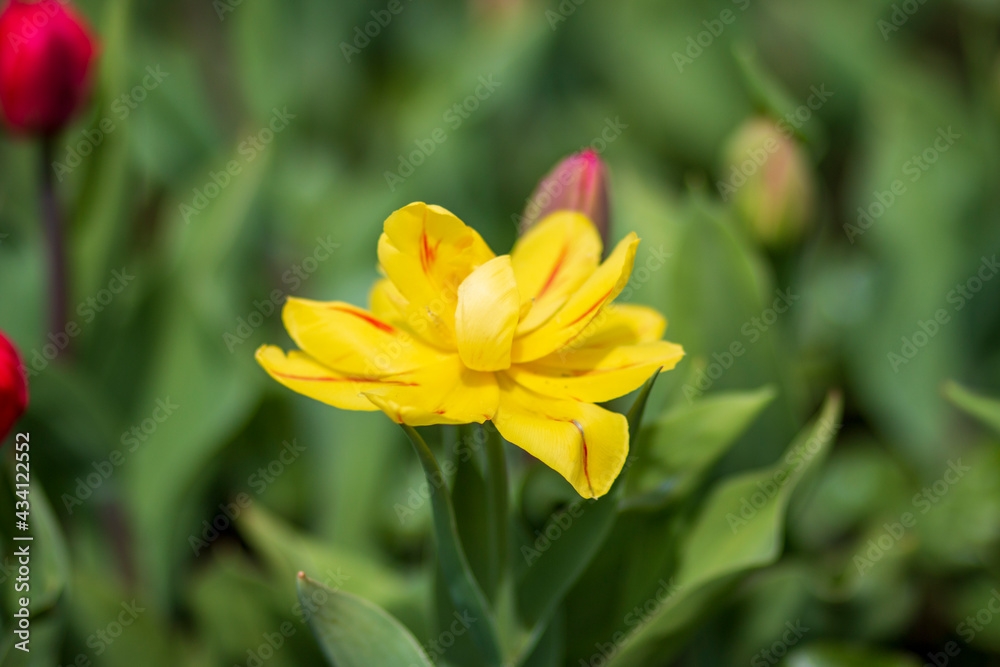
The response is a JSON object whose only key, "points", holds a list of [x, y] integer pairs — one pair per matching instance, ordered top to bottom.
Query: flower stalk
{"points": [[52, 223], [497, 488]]}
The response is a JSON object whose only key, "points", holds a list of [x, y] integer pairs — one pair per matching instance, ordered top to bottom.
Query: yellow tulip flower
{"points": [[456, 334]]}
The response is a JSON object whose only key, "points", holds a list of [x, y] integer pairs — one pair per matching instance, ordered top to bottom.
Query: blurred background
{"points": [[818, 181]]}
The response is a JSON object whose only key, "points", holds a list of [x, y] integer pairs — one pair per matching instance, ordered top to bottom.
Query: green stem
{"points": [[52, 223], [498, 490], [462, 586]]}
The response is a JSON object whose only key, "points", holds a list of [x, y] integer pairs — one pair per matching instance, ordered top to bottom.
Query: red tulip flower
{"points": [[46, 57], [13, 387]]}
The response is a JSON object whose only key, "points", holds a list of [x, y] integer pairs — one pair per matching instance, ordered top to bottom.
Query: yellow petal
{"points": [[427, 252], [551, 261], [386, 303], [488, 306], [392, 307], [582, 307], [622, 324], [352, 340], [303, 374], [595, 374], [443, 393], [585, 444]]}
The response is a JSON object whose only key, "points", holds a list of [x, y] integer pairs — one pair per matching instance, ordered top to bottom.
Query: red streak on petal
{"points": [[428, 254], [555, 271], [597, 305], [378, 324], [600, 371], [307, 378], [439, 412], [583, 441]]}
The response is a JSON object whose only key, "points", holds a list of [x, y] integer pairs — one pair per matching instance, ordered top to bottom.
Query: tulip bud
{"points": [[46, 53], [769, 181], [578, 183], [13, 387]]}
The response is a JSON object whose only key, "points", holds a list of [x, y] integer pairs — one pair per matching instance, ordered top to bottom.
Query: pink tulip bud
{"points": [[46, 57], [578, 183], [13, 387]]}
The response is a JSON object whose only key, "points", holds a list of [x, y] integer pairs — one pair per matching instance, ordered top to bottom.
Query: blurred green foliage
{"points": [[215, 215]]}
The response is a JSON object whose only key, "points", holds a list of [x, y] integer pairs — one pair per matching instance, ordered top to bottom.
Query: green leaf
{"points": [[768, 92], [99, 214], [215, 391], [213, 398], [638, 408], [986, 410], [681, 446], [469, 496], [480, 502], [739, 528], [727, 537], [288, 551], [50, 563], [51, 567], [462, 585], [354, 632]]}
